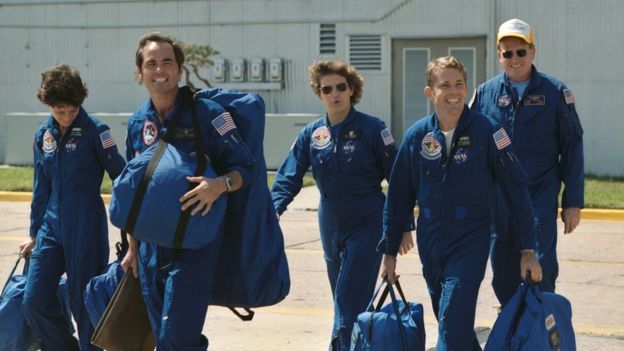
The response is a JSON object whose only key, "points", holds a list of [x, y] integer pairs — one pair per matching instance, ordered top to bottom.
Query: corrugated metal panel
{"points": [[99, 38], [327, 38], [365, 52]]}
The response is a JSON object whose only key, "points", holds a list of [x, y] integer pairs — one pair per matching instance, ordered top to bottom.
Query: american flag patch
{"points": [[568, 96], [223, 123], [387, 137], [107, 139], [501, 139]]}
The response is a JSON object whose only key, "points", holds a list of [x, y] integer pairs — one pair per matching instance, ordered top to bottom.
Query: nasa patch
{"points": [[504, 101], [150, 132], [321, 138], [49, 143], [71, 145], [348, 147], [431, 149], [460, 156]]}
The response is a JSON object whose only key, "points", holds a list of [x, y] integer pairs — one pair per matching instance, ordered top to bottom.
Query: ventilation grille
{"points": [[327, 39], [365, 52]]}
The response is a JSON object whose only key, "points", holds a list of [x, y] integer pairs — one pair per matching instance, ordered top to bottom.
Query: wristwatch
{"points": [[228, 183], [534, 252]]}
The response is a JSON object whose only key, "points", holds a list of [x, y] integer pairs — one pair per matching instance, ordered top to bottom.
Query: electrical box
{"points": [[219, 70], [237, 70], [256, 70], [275, 70]]}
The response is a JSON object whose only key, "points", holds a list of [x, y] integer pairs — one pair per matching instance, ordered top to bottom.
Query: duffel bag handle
{"points": [[24, 272], [371, 304], [395, 306], [397, 313], [244, 317]]}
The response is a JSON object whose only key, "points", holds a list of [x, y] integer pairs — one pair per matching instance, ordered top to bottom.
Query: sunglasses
{"points": [[509, 54], [327, 89]]}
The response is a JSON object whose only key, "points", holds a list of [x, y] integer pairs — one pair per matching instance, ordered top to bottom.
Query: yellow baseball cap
{"points": [[515, 28]]}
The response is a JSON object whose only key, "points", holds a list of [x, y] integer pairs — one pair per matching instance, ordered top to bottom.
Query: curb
{"points": [[14, 196], [595, 214]]}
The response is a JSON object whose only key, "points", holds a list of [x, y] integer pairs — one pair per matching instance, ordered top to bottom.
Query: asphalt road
{"points": [[591, 277]]}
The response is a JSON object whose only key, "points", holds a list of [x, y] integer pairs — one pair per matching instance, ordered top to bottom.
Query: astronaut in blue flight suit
{"points": [[538, 113], [350, 154], [448, 162], [69, 229], [177, 285]]}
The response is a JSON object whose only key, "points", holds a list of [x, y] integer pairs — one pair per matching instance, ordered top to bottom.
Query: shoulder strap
{"points": [[140, 194], [178, 239]]}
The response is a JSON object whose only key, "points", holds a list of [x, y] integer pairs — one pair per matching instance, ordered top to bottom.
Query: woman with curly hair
{"points": [[350, 154]]}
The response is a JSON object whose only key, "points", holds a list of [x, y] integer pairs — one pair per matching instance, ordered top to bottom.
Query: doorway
{"points": [[409, 60]]}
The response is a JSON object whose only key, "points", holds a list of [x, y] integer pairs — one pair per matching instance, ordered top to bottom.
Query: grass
{"points": [[21, 179], [600, 192]]}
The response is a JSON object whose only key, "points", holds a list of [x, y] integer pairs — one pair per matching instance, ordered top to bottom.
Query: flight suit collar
{"points": [[534, 81], [533, 87], [148, 110], [350, 117], [81, 120], [464, 121]]}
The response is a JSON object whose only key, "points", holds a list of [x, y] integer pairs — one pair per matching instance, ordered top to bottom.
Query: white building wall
{"points": [[576, 42]]}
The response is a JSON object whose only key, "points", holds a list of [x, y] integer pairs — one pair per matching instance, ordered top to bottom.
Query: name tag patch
{"points": [[535, 100], [351, 134], [465, 141]]}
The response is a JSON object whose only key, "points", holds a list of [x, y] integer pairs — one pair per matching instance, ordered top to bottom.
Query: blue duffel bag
{"points": [[145, 199], [252, 269], [100, 289], [533, 321], [396, 326], [15, 333]]}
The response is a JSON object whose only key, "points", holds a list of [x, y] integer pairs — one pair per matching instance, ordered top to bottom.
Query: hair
{"points": [[158, 38], [498, 46], [440, 63], [319, 69], [61, 84]]}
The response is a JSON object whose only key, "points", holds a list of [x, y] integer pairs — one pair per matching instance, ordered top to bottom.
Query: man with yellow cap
{"points": [[538, 112]]}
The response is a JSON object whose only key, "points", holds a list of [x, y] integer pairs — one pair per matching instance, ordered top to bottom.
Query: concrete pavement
{"points": [[592, 276]]}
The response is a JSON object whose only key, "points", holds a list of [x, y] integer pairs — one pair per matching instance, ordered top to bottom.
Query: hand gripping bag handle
{"points": [[395, 307]]}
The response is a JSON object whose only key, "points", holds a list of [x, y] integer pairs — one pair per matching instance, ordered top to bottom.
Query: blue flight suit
{"points": [[547, 136], [349, 160], [68, 220], [453, 225], [177, 286]]}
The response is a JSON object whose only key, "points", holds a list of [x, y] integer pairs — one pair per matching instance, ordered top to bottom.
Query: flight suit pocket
{"points": [[320, 159]]}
